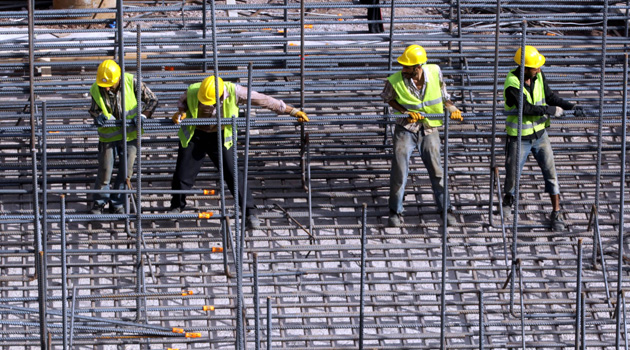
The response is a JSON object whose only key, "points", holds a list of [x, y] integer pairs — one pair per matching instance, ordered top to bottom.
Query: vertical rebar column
{"points": [[204, 34], [391, 39], [121, 61], [302, 61], [602, 81], [248, 108], [219, 112], [624, 114], [600, 125], [493, 162], [518, 162], [309, 184], [444, 200], [239, 239], [40, 257], [363, 257], [64, 273], [140, 288], [578, 294], [522, 299], [256, 304], [74, 305], [625, 322], [268, 323], [481, 323], [583, 325]]}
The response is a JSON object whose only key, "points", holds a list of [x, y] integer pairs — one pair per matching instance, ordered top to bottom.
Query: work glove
{"points": [[578, 111], [559, 112], [455, 113], [301, 116], [178, 117], [414, 117], [100, 120], [134, 121]]}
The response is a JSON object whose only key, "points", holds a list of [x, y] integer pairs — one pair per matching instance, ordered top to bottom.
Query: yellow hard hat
{"points": [[413, 55], [533, 59], [108, 74], [207, 93]]}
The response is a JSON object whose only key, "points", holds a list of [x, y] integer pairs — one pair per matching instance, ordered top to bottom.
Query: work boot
{"points": [[508, 203], [97, 208], [116, 210], [175, 211], [507, 213], [395, 219], [451, 220], [252, 222], [557, 224]]}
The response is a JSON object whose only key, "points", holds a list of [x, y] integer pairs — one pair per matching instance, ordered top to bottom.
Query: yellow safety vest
{"points": [[432, 102], [230, 108], [531, 123], [115, 133]]}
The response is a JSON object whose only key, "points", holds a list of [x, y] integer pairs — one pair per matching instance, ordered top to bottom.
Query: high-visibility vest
{"points": [[432, 102], [230, 108], [531, 123], [115, 133]]}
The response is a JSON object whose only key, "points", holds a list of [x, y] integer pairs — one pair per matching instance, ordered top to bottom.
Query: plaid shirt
{"points": [[389, 94], [112, 101]]}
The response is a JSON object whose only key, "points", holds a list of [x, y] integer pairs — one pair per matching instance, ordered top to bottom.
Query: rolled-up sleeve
{"points": [[388, 94], [445, 94], [149, 99], [260, 100]]}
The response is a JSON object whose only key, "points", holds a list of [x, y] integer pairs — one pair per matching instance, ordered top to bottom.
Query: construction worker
{"points": [[418, 88], [106, 95], [199, 101], [539, 104]]}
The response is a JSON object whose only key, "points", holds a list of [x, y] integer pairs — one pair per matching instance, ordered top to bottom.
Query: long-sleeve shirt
{"points": [[389, 94], [551, 98], [258, 99], [113, 104]]}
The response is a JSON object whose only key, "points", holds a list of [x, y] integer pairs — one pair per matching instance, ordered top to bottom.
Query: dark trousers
{"points": [[374, 14], [190, 160]]}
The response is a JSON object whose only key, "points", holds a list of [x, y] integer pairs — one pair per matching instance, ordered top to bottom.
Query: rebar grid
{"points": [[162, 286]]}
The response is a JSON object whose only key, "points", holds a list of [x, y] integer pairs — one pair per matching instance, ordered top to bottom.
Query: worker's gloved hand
{"points": [[578, 111], [559, 112], [455, 113], [178, 117], [301, 117], [414, 117], [100, 120], [134, 121]]}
